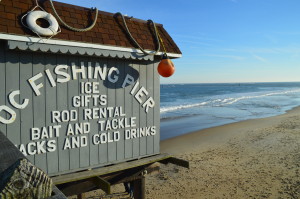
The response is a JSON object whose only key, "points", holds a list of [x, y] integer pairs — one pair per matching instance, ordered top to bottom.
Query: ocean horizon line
{"points": [[231, 82]]}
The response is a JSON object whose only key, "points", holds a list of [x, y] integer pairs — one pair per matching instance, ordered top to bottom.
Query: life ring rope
{"points": [[49, 17], [70, 27], [157, 37], [135, 42]]}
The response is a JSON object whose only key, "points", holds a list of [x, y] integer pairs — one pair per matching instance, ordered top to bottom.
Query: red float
{"points": [[166, 67]]}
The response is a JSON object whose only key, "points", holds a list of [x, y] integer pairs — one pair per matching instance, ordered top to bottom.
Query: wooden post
{"points": [[19, 179], [139, 188], [81, 196]]}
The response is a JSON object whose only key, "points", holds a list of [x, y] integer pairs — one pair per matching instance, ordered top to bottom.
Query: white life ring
{"points": [[35, 15]]}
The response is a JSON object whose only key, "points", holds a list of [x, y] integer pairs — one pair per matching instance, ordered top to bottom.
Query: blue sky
{"points": [[223, 40]]}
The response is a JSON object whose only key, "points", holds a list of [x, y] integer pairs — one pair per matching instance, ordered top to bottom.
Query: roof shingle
{"points": [[109, 30]]}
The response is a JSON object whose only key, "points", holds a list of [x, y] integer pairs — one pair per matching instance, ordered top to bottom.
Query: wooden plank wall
{"points": [[16, 67], [2, 83]]}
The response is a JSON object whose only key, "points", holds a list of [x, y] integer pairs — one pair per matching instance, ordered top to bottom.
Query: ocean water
{"points": [[189, 107]]}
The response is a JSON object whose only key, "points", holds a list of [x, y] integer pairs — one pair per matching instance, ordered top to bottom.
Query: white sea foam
{"points": [[234, 100], [224, 101], [174, 108]]}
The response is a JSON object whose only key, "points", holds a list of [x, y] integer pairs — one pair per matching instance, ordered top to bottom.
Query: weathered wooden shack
{"points": [[79, 99]]}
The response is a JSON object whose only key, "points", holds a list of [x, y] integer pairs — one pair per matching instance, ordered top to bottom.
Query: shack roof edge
{"points": [[108, 31], [82, 48]]}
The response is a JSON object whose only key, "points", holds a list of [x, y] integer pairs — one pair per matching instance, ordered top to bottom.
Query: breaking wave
{"points": [[224, 101]]}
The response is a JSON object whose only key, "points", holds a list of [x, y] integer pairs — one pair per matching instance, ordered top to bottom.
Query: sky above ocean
{"points": [[223, 40]]}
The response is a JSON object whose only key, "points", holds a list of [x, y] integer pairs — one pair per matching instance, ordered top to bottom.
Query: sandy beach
{"points": [[257, 158]]}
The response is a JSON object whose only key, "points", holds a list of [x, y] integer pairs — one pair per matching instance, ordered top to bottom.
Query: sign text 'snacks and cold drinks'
{"points": [[83, 113]]}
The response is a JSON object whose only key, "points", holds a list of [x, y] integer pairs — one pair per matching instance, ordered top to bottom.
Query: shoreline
{"points": [[171, 127], [174, 144], [257, 158]]}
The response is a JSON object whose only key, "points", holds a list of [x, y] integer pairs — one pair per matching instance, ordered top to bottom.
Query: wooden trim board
{"points": [[108, 169]]}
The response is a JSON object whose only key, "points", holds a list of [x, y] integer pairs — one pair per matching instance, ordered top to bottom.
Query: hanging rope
{"points": [[72, 28], [157, 37], [162, 42]]}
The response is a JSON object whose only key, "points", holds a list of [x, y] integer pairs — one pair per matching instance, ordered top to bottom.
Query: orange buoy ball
{"points": [[166, 67]]}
